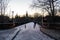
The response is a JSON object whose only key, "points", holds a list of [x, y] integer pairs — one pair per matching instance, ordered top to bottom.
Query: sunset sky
{"points": [[20, 7]]}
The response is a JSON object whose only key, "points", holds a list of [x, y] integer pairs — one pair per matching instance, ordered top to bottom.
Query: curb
{"points": [[15, 35]]}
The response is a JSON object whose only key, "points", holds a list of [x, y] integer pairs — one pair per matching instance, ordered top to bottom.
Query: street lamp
{"points": [[12, 16]]}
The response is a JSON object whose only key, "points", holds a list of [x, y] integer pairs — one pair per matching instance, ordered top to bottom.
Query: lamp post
{"points": [[12, 17]]}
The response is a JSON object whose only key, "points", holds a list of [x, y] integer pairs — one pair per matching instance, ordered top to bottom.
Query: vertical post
{"points": [[1, 7], [1, 11], [12, 17], [42, 17], [25, 26]]}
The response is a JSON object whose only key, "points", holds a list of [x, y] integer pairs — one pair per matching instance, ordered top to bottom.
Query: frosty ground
{"points": [[24, 32]]}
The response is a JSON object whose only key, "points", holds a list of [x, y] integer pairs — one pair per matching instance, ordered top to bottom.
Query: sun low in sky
{"points": [[20, 7]]}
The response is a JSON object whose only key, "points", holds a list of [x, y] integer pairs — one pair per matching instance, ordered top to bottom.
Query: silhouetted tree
{"points": [[48, 5], [3, 6], [17, 19]]}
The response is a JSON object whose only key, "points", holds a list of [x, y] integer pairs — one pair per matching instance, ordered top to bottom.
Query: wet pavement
{"points": [[26, 32]]}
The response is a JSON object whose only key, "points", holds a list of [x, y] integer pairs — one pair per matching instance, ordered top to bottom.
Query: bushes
{"points": [[4, 19], [54, 19], [53, 22], [7, 23], [6, 26]]}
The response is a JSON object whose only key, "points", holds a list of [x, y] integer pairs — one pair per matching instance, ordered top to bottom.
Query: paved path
{"points": [[28, 32], [31, 33]]}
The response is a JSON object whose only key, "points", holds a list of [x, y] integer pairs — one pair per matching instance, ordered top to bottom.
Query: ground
{"points": [[24, 32], [51, 32]]}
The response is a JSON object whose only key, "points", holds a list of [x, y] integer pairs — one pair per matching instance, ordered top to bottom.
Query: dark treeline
{"points": [[56, 19], [6, 22], [52, 23]]}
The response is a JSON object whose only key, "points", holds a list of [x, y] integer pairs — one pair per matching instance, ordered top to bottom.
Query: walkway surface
{"points": [[24, 32]]}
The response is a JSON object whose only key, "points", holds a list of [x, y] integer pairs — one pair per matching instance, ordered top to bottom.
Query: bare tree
{"points": [[48, 5], [3, 6]]}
